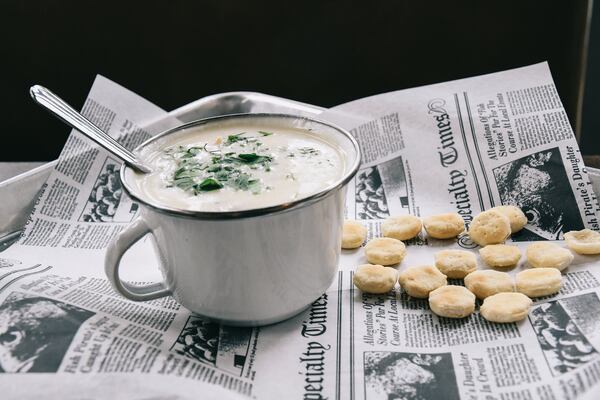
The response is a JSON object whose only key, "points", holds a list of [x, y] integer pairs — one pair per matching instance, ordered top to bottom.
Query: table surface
{"points": [[10, 169]]}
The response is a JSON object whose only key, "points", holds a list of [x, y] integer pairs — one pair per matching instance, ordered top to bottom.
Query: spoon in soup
{"points": [[67, 114]]}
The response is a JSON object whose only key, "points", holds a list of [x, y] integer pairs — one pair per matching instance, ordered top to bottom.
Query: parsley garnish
{"points": [[235, 138], [308, 151], [191, 152], [253, 158], [219, 169], [244, 181], [209, 184]]}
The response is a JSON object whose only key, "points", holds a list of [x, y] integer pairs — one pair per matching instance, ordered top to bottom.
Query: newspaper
{"points": [[462, 146]]}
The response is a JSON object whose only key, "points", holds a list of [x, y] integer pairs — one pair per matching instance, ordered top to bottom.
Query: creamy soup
{"points": [[240, 168]]}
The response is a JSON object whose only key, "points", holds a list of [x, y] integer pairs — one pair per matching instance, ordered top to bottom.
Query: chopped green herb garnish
{"points": [[265, 133], [235, 138], [308, 151], [191, 152], [248, 157], [253, 158], [201, 174], [222, 175], [244, 181], [184, 183], [209, 184]]}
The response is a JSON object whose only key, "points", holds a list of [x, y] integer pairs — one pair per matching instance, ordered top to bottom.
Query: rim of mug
{"points": [[304, 201]]}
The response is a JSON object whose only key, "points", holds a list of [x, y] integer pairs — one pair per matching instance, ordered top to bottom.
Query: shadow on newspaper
{"points": [[539, 185], [567, 331], [36, 332], [223, 347], [418, 376]]}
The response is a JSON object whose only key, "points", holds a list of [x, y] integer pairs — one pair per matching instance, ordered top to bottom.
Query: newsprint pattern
{"points": [[461, 146]]}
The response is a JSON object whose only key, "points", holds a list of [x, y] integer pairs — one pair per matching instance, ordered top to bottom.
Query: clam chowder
{"points": [[240, 168]]}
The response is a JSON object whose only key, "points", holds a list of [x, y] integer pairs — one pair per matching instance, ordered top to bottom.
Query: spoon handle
{"points": [[65, 112]]}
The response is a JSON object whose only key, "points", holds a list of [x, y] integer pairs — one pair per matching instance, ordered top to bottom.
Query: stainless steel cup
{"points": [[247, 268]]}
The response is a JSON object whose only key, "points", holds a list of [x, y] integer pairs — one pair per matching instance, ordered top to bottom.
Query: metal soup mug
{"points": [[247, 268]]}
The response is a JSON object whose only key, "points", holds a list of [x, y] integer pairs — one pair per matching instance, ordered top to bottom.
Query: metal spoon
{"points": [[67, 114]]}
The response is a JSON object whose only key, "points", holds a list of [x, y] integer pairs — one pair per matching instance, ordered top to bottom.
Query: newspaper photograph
{"points": [[471, 145], [462, 146]]}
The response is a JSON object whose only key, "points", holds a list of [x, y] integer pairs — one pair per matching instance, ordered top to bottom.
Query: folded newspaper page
{"points": [[462, 146]]}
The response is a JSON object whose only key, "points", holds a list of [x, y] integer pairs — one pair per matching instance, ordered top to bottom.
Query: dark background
{"points": [[324, 53], [590, 136]]}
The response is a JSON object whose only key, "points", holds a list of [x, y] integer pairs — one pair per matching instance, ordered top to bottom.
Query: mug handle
{"points": [[115, 251]]}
